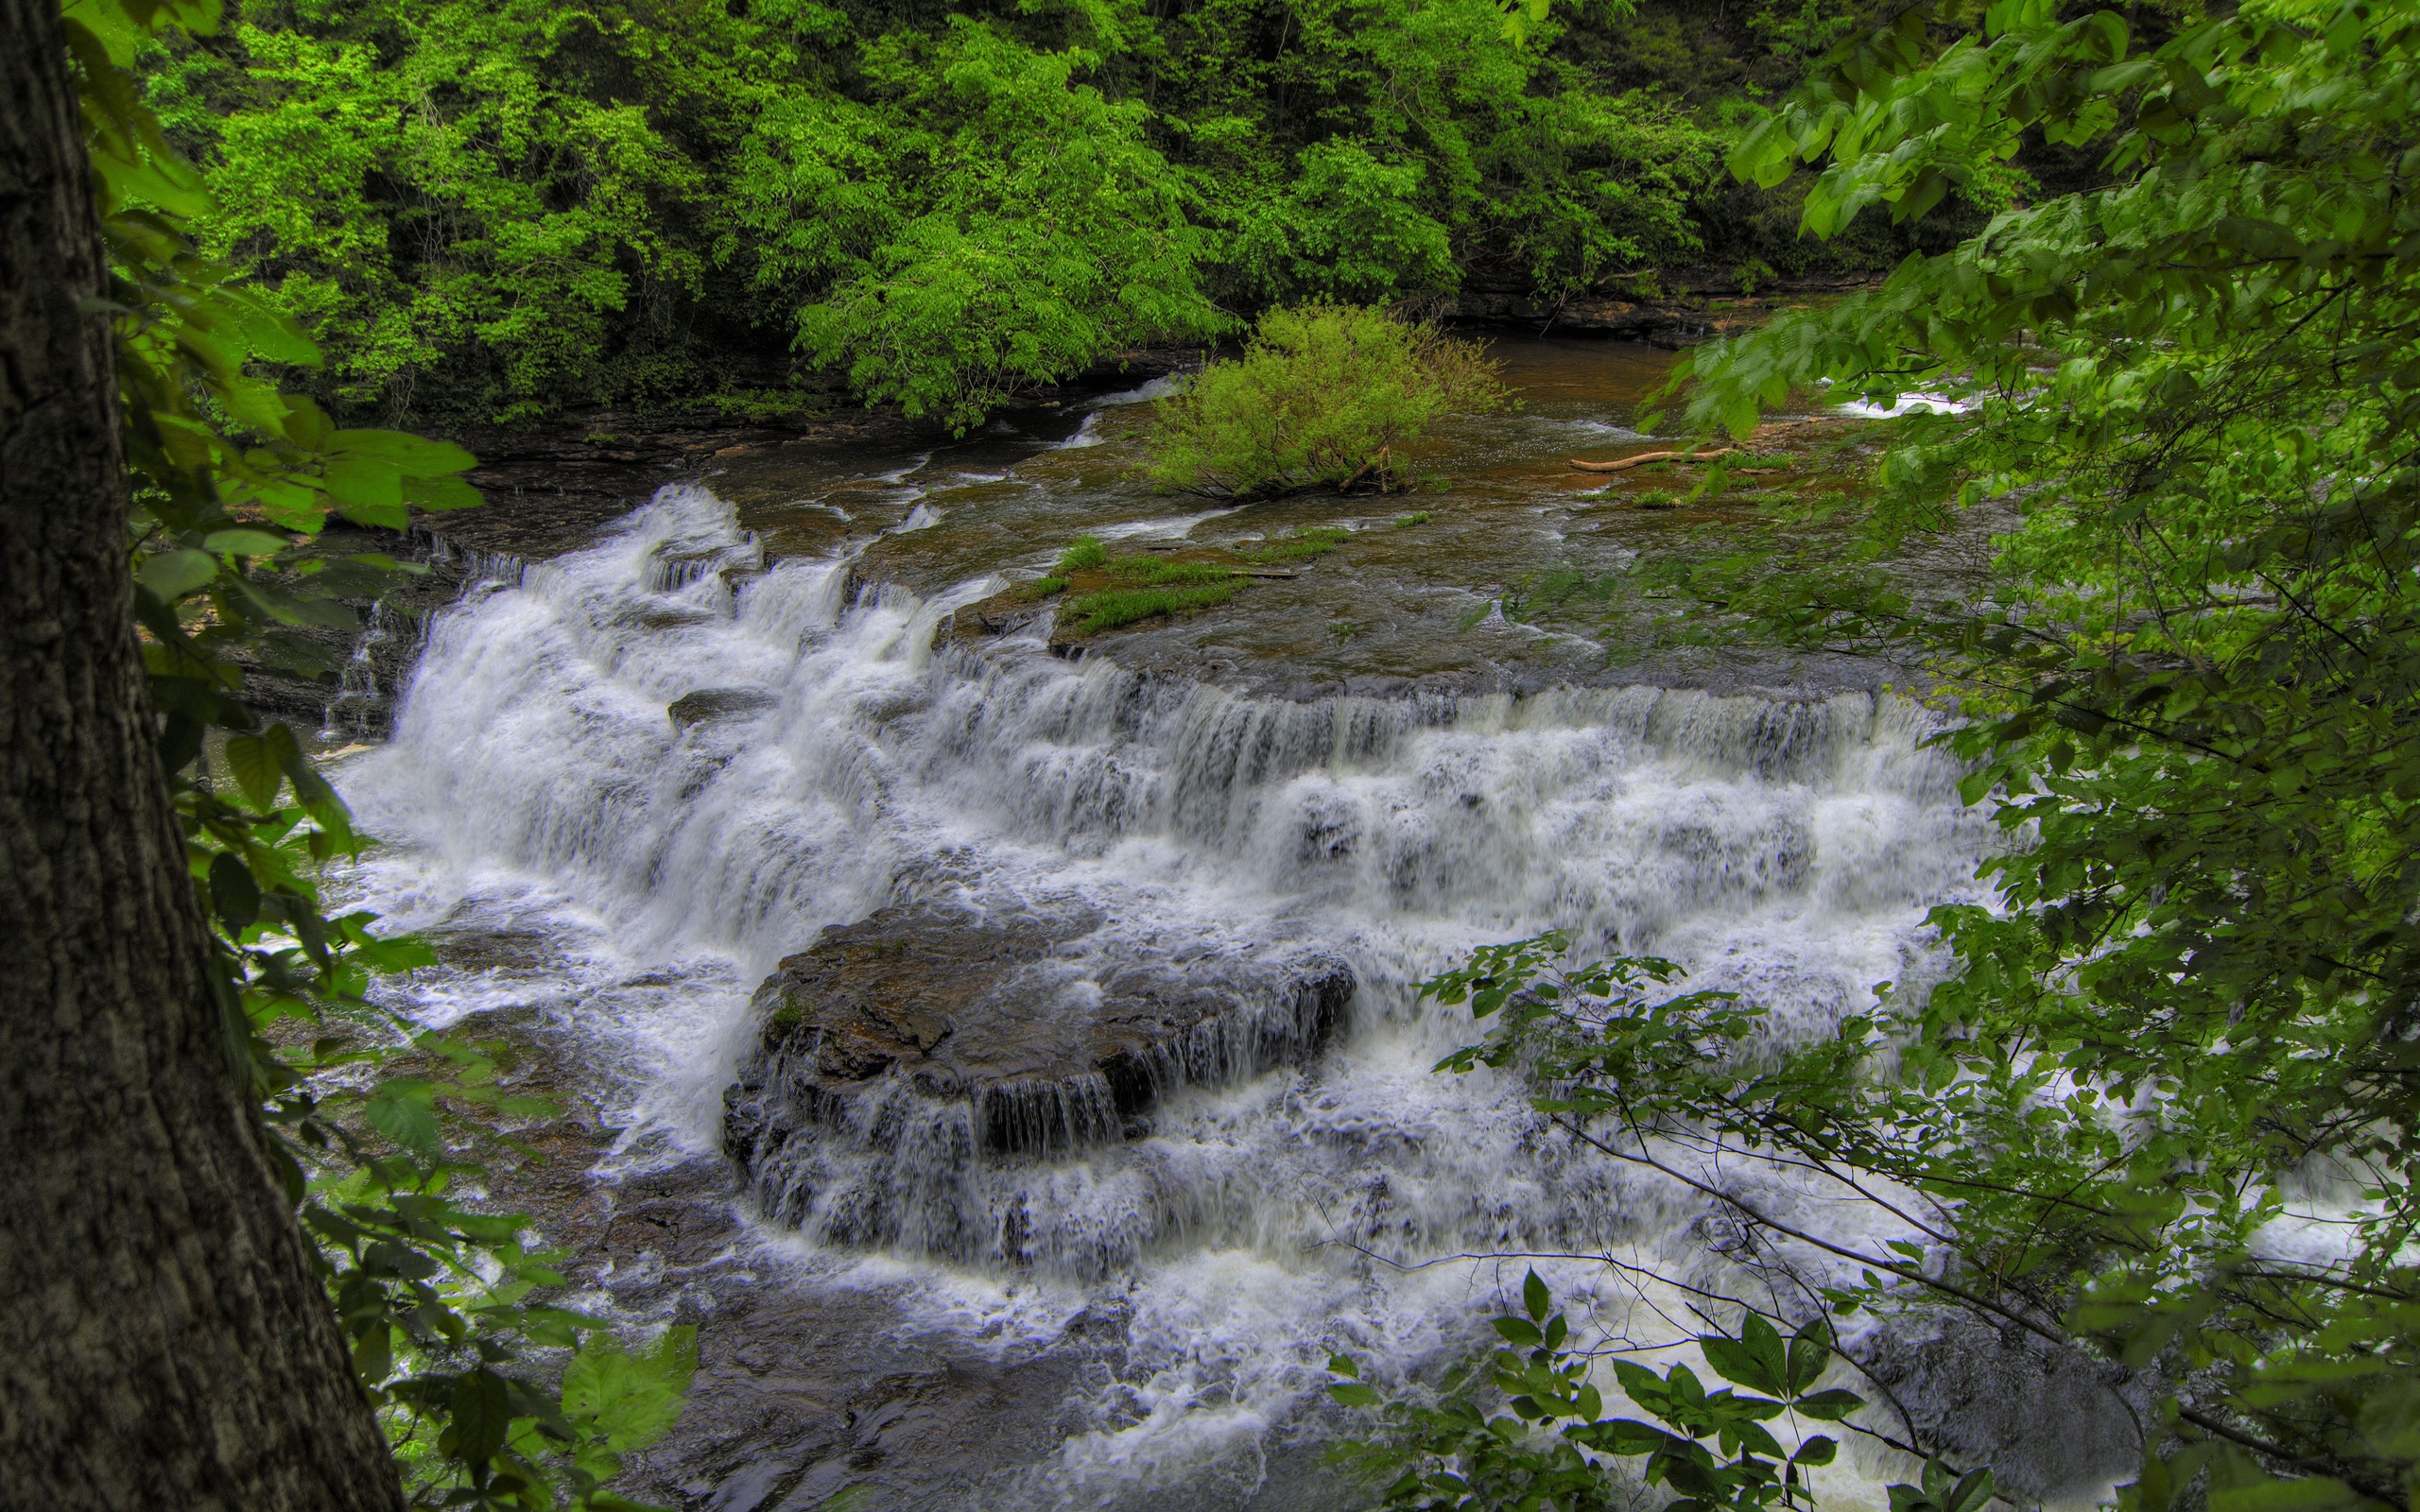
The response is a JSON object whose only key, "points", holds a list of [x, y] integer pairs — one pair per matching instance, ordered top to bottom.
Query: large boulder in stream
{"points": [[1052, 1048], [896, 1053]]}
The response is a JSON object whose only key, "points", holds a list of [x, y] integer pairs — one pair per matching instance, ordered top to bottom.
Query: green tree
{"points": [[1011, 225]]}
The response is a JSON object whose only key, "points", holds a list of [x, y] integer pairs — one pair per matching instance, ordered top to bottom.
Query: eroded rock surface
{"points": [[1047, 1045], [909, 1063]]}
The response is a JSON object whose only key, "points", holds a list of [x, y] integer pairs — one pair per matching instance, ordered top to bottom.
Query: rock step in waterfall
{"points": [[947, 1036]]}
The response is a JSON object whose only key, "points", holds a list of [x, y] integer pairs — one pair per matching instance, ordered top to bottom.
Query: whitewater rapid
{"points": [[1786, 848]]}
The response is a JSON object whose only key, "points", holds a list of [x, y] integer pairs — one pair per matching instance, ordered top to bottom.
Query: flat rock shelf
{"points": [[900, 1057]]}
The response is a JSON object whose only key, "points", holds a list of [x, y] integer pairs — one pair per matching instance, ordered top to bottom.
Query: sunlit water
{"points": [[1785, 848]]}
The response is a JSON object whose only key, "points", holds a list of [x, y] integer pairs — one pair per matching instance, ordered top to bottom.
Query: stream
{"points": [[1367, 765]]}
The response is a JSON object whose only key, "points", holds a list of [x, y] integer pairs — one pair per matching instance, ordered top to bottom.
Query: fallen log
{"points": [[1653, 456]]}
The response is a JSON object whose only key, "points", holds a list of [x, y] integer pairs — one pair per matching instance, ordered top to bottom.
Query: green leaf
{"points": [[402, 452], [364, 484], [440, 493], [246, 544], [172, 575], [254, 765], [233, 892], [404, 1110], [1535, 1297], [1519, 1331], [1811, 1352], [1754, 1362], [630, 1401], [1828, 1406], [482, 1416], [1629, 1436], [1816, 1450], [1972, 1492], [2314, 1493]]}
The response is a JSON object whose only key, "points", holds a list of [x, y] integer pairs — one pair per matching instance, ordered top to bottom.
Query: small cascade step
{"points": [[936, 1038]]}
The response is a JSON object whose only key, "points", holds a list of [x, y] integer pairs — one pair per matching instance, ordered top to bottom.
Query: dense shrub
{"points": [[1322, 397]]}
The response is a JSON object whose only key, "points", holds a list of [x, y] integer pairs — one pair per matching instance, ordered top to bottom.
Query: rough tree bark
{"points": [[163, 1344]]}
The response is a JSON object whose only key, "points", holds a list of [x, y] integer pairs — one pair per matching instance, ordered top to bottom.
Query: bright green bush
{"points": [[1322, 397]]}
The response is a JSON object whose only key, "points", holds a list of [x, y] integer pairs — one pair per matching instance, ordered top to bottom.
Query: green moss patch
{"points": [[1298, 545], [1095, 613]]}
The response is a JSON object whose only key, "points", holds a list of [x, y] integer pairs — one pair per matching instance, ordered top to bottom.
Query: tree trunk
{"points": [[163, 1344]]}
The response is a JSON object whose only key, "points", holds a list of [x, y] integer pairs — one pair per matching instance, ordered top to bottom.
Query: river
{"points": [[1367, 764]]}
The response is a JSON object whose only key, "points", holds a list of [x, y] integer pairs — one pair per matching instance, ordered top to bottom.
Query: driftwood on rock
{"points": [[1644, 457]]}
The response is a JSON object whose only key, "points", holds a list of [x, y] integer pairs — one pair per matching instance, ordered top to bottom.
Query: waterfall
{"points": [[852, 759]]}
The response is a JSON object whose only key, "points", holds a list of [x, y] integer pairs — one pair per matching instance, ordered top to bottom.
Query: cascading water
{"points": [[1784, 848]]}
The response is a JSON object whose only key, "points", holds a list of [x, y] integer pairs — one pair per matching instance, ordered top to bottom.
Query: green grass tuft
{"points": [[1411, 519], [1297, 547], [1086, 552], [1151, 570], [1044, 587], [1114, 607]]}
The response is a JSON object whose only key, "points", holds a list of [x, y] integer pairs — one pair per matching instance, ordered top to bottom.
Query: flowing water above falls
{"points": [[850, 760]]}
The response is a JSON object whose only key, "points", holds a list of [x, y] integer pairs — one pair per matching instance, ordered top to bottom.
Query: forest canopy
{"points": [[502, 212]]}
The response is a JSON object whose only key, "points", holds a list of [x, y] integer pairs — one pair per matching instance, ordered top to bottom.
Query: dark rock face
{"points": [[717, 703], [936, 1038]]}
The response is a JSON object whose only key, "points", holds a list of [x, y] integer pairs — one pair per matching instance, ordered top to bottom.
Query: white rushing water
{"points": [[1787, 850]]}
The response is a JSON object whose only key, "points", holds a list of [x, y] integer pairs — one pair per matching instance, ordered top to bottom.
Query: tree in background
{"points": [[505, 210]]}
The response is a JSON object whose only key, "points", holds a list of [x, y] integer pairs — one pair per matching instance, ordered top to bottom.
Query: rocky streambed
{"points": [[1004, 1043]]}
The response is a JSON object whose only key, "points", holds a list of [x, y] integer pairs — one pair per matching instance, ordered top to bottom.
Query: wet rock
{"points": [[1011, 611], [717, 703], [1008, 1026]]}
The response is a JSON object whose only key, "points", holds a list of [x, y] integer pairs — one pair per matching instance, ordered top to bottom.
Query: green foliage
{"points": [[450, 196], [507, 210], [1044, 231], [1321, 397], [233, 478], [1086, 552], [1138, 587], [2188, 695], [1712, 1448]]}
